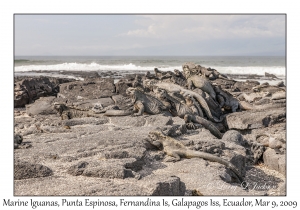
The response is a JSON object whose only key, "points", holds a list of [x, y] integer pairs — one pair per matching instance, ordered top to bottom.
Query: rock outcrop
{"points": [[28, 90], [111, 155]]}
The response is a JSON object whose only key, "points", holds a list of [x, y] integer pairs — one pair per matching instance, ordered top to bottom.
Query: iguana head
{"points": [[186, 71], [177, 72], [147, 83], [217, 88], [259, 88], [130, 91], [134, 93], [160, 93], [189, 99], [59, 107], [155, 135], [18, 139]]}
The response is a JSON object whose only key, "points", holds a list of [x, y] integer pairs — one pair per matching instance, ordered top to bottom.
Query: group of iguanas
{"points": [[177, 100]]}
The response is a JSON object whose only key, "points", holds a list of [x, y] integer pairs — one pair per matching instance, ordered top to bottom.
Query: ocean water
{"points": [[224, 64]]}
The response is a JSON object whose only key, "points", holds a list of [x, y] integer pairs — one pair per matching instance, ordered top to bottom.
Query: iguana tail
{"points": [[279, 95], [203, 103], [246, 106], [270, 106], [114, 112], [208, 125], [213, 158]]}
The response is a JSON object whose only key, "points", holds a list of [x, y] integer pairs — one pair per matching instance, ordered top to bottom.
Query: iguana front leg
{"points": [[190, 84], [221, 101], [140, 107], [234, 107], [65, 116], [188, 122], [190, 126], [156, 143], [174, 157]]}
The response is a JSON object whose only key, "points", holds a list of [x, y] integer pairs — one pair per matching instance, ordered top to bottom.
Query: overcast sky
{"points": [[150, 35]]}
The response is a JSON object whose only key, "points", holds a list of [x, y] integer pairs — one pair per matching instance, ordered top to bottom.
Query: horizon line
{"points": [[152, 55]]}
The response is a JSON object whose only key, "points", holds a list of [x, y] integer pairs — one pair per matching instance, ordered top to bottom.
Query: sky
{"points": [[159, 35]]}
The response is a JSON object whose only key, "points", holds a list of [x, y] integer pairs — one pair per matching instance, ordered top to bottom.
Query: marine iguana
{"points": [[178, 73], [209, 73], [212, 74], [162, 75], [149, 76], [175, 77], [196, 77], [202, 83], [266, 87], [174, 88], [279, 95], [253, 97], [227, 101], [144, 102], [193, 105], [98, 108], [111, 110], [183, 111], [67, 112], [18, 139], [177, 150]]}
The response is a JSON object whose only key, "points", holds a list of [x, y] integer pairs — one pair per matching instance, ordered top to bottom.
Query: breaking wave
{"points": [[89, 67], [259, 70]]}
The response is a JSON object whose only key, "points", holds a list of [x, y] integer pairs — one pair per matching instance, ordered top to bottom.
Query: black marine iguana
{"points": [[173, 88], [229, 102], [183, 111]]}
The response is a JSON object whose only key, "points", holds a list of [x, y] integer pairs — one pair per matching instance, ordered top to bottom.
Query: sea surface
{"points": [[224, 64]]}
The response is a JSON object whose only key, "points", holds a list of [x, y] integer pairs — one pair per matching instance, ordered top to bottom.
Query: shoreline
{"points": [[118, 74]]}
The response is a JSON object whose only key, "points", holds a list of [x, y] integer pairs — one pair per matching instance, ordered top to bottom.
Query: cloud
{"points": [[201, 27], [232, 33], [149, 34]]}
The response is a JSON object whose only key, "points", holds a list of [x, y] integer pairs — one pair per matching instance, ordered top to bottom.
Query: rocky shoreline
{"points": [[80, 75], [90, 152]]}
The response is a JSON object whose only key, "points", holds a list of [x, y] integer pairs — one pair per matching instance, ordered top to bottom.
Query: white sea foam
{"points": [[86, 67], [259, 70], [277, 70], [30, 74]]}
